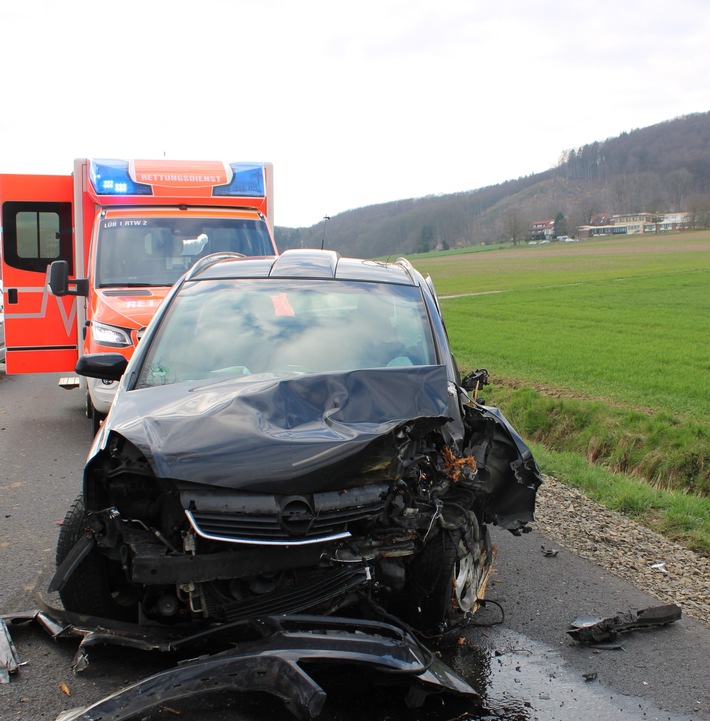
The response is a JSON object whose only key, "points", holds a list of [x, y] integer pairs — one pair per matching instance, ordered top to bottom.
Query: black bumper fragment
{"points": [[586, 629], [268, 660]]}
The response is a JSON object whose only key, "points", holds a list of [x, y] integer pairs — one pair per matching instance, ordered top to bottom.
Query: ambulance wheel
{"points": [[93, 415], [96, 420], [97, 587]]}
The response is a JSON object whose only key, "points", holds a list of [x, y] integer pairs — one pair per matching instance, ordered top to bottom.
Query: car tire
{"points": [[446, 577], [96, 587]]}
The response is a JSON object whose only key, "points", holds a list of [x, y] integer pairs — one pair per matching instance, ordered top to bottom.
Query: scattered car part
{"points": [[587, 629], [9, 660]]}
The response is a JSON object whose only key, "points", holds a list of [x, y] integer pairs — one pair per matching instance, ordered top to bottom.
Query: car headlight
{"points": [[110, 335]]}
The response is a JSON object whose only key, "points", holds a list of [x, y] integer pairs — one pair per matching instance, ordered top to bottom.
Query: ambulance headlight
{"points": [[110, 335]]}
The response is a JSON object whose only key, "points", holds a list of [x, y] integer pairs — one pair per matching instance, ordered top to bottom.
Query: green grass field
{"points": [[608, 345]]}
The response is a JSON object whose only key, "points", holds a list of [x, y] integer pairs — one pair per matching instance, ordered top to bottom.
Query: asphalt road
{"points": [[525, 669]]}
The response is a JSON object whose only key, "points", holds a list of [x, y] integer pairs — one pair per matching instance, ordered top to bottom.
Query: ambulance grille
{"points": [[128, 292]]}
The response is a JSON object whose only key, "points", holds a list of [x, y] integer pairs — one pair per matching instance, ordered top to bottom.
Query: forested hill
{"points": [[662, 168]]}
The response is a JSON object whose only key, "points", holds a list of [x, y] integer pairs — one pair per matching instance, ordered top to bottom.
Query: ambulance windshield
{"points": [[157, 251]]}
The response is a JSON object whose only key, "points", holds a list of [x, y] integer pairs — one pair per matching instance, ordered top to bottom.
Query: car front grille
{"points": [[282, 520], [307, 590]]}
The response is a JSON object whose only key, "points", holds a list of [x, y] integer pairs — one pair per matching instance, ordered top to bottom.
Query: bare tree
{"points": [[679, 182], [698, 206], [513, 226]]}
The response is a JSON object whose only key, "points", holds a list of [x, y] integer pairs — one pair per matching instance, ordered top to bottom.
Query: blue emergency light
{"points": [[110, 177], [247, 181]]}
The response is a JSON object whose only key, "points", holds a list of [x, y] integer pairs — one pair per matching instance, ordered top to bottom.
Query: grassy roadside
{"points": [[636, 341], [638, 464]]}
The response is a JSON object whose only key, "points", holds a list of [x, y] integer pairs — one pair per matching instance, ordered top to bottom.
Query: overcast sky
{"points": [[355, 103]]}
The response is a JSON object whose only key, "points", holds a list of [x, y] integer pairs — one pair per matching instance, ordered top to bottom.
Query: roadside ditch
{"points": [[648, 560]]}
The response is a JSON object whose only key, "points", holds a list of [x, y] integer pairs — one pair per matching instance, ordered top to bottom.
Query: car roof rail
{"points": [[210, 260], [410, 269], [424, 282]]}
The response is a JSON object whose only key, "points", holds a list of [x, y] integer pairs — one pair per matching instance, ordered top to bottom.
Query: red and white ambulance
{"points": [[113, 237]]}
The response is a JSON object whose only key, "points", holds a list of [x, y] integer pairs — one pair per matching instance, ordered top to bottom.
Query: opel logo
{"points": [[296, 516]]}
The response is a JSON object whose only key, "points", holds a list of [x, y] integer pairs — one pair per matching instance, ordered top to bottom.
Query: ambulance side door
{"points": [[40, 328]]}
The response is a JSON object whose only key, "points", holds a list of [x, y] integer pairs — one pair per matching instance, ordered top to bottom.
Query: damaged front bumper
{"points": [[267, 657]]}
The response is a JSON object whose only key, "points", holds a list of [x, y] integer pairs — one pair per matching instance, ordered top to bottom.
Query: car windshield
{"points": [[157, 251], [274, 327]]}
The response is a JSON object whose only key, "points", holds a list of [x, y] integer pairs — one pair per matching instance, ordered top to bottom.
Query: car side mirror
{"points": [[59, 280], [106, 366], [475, 380]]}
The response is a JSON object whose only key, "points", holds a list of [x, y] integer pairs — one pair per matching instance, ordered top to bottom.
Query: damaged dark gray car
{"points": [[291, 436]]}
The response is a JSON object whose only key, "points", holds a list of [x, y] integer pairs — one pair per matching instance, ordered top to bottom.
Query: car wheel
{"points": [[446, 579], [97, 586]]}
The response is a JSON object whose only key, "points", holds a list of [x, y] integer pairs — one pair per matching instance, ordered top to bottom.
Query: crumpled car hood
{"points": [[326, 431]]}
